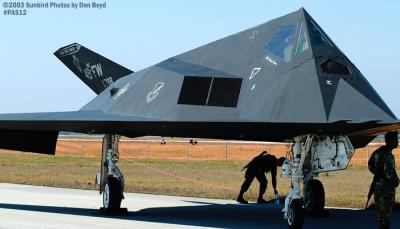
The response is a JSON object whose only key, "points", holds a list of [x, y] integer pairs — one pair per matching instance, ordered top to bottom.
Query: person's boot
{"points": [[241, 200], [261, 201]]}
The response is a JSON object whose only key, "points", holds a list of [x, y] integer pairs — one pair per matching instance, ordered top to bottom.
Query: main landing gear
{"points": [[311, 155], [110, 178]]}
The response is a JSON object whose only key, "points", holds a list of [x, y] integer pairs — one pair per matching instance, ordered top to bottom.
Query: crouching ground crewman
{"points": [[382, 165], [257, 168]]}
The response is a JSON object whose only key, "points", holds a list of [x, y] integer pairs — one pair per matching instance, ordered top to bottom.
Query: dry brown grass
{"points": [[201, 151]]}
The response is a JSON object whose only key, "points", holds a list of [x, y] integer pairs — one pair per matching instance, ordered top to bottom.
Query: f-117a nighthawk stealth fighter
{"points": [[282, 81]]}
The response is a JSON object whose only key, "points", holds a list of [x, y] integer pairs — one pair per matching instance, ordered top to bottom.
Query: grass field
{"points": [[213, 179]]}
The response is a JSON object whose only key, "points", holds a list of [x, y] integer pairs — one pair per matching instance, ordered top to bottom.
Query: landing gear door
{"points": [[331, 153], [103, 165]]}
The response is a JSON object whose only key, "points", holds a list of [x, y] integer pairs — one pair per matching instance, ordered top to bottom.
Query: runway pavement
{"points": [[25, 206]]}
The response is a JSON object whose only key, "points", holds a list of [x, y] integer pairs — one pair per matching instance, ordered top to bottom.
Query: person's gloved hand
{"points": [[276, 192]]}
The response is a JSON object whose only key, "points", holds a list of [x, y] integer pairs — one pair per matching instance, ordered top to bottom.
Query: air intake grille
{"points": [[195, 90], [210, 91], [225, 92]]}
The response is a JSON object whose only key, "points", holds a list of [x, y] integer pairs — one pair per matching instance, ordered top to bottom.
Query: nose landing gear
{"points": [[311, 155]]}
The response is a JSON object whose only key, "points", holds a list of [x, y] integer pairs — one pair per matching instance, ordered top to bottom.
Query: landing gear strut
{"points": [[110, 178], [293, 211]]}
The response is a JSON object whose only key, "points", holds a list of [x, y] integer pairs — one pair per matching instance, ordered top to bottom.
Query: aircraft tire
{"points": [[112, 194], [314, 197], [295, 214]]}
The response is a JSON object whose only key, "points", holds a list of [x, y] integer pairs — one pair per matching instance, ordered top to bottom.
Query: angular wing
{"points": [[38, 132]]}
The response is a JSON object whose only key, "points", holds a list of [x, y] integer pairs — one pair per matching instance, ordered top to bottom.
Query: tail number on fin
{"points": [[107, 82]]}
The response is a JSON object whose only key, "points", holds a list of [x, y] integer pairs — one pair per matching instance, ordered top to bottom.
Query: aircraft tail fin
{"points": [[96, 71]]}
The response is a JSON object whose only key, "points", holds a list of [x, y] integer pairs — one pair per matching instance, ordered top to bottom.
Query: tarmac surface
{"points": [[25, 206]]}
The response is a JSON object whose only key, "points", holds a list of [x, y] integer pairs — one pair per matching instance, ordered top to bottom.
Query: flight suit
{"points": [[383, 162], [257, 169]]}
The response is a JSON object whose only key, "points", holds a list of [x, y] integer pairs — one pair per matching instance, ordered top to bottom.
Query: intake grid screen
{"points": [[210, 91]]}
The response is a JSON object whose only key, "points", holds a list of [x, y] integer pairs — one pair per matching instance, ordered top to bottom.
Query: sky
{"points": [[137, 34]]}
